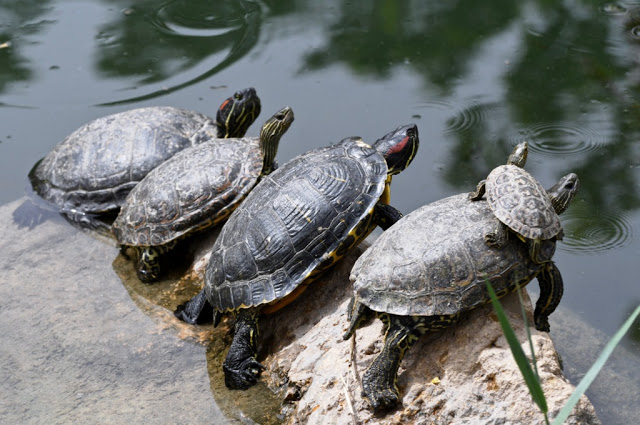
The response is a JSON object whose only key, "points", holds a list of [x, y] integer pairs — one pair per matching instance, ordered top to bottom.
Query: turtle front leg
{"points": [[479, 193], [385, 215], [148, 267], [551, 289], [196, 311], [241, 369], [379, 383]]}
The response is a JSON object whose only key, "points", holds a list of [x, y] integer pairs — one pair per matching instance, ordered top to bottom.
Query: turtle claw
{"points": [[542, 324], [244, 376], [382, 400]]}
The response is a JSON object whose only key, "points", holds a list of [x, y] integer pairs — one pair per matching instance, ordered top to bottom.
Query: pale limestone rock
{"points": [[462, 375]]}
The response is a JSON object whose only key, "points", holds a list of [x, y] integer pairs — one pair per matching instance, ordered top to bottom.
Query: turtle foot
{"points": [[146, 276], [196, 311], [542, 324], [244, 376], [382, 400]]}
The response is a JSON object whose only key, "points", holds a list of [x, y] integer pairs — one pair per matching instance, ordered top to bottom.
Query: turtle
{"points": [[91, 171], [196, 188], [520, 203], [294, 225], [432, 266]]}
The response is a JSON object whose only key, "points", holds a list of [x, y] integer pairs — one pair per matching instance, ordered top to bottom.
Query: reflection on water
{"points": [[165, 42], [595, 231]]}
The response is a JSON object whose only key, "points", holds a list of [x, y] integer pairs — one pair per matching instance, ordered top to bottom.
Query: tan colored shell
{"points": [[519, 201]]}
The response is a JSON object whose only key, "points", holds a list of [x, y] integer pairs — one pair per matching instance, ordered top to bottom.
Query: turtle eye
{"points": [[238, 95], [280, 116]]}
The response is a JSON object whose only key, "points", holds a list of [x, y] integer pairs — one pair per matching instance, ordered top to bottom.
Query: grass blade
{"points": [[595, 369], [530, 377]]}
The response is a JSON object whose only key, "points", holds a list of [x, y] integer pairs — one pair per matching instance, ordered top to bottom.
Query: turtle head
{"points": [[237, 113], [270, 135], [399, 147], [519, 155], [563, 192]]}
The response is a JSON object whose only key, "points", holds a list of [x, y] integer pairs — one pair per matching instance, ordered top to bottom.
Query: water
{"points": [[477, 78]]}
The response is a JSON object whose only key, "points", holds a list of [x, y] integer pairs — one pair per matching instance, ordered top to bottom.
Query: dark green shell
{"points": [[96, 166], [196, 188], [297, 220], [435, 261]]}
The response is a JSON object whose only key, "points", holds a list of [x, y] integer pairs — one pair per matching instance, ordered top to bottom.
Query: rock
{"points": [[77, 347], [463, 375]]}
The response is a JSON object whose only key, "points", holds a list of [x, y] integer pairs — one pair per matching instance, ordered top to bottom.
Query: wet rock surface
{"points": [[86, 342], [76, 348]]}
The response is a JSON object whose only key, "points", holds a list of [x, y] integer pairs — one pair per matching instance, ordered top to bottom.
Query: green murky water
{"points": [[477, 78]]}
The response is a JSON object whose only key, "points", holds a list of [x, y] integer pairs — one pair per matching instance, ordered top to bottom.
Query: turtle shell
{"points": [[95, 167], [197, 187], [520, 202], [297, 221], [434, 261]]}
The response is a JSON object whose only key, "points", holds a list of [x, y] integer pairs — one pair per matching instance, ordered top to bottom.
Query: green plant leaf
{"points": [[595, 369], [530, 377]]}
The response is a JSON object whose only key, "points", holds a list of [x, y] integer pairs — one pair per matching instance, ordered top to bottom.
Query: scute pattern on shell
{"points": [[95, 167], [189, 191], [520, 202], [290, 223], [435, 260]]}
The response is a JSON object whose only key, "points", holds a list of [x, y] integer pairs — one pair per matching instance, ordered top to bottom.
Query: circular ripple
{"points": [[613, 9], [177, 18], [635, 32], [467, 117], [556, 139], [595, 232]]}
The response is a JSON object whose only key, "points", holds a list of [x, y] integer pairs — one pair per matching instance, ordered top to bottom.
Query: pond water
{"points": [[476, 77]]}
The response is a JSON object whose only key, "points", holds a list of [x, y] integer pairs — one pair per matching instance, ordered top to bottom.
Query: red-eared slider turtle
{"points": [[91, 171], [196, 188], [520, 203], [295, 224], [431, 266]]}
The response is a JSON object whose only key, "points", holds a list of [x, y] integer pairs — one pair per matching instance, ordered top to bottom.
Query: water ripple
{"points": [[613, 9], [175, 19], [464, 117], [559, 139], [595, 232]]}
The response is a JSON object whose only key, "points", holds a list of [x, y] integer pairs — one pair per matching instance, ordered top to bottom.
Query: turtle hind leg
{"points": [[479, 193], [499, 237], [551, 289], [358, 313], [241, 369], [379, 383]]}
